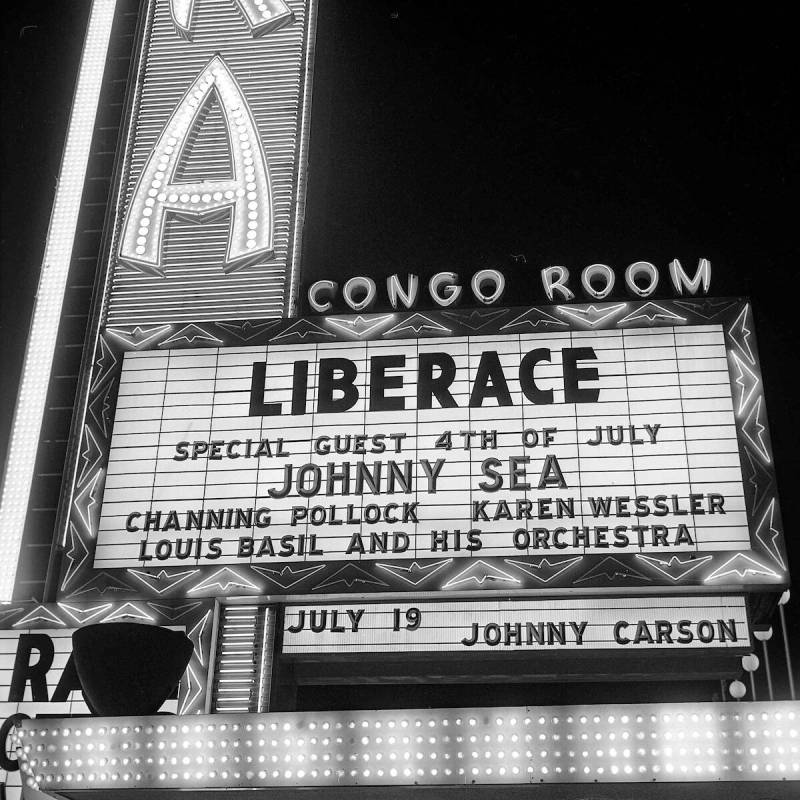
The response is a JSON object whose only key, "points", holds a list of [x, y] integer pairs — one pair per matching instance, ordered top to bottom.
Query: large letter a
{"points": [[246, 195]]}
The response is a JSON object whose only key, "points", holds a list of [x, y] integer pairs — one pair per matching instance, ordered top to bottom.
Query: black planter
{"points": [[127, 669]]}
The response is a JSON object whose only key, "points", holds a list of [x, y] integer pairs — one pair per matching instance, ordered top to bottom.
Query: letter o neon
{"points": [[641, 268], [602, 271], [495, 277], [355, 284]]}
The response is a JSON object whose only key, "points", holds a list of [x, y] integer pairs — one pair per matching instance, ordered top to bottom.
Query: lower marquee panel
{"points": [[652, 743]]}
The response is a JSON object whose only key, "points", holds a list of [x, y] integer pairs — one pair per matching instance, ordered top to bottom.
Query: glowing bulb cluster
{"points": [[247, 195], [701, 742]]}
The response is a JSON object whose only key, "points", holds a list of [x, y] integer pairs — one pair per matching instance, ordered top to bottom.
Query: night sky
{"points": [[456, 136]]}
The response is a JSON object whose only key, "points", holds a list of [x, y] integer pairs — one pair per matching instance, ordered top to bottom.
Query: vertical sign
{"points": [[206, 224]]}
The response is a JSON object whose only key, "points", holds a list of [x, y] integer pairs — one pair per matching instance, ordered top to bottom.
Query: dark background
{"points": [[455, 136]]}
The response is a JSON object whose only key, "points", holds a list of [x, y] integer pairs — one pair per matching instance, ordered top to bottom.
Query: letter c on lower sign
{"points": [[7, 763]]}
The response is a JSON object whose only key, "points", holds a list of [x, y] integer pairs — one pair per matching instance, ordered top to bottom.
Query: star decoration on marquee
{"points": [[707, 309], [653, 314], [592, 315], [477, 319], [535, 319], [417, 323], [360, 327], [302, 328], [247, 330], [739, 333], [190, 334], [139, 337], [104, 365], [746, 380], [100, 409], [754, 429], [91, 453], [757, 476], [86, 502], [769, 535], [76, 555], [741, 566], [546, 569], [611, 569], [675, 569], [480, 572], [415, 573], [350, 575], [288, 576], [224, 579], [162, 581], [101, 583], [129, 611], [7, 613], [41, 613], [173, 613], [84, 615], [196, 637], [194, 687]]}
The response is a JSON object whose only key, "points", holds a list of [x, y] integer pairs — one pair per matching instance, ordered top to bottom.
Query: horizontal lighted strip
{"points": [[567, 744]]}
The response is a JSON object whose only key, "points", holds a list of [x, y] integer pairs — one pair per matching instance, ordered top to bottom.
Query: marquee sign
{"points": [[586, 447], [518, 626]]}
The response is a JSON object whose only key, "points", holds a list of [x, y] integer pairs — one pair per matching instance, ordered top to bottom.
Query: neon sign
{"points": [[597, 281], [571, 446]]}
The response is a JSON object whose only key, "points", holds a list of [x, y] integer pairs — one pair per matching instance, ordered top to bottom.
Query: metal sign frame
{"points": [[761, 568]]}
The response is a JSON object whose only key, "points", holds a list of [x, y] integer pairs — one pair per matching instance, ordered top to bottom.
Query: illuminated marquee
{"points": [[206, 218], [589, 447], [518, 626]]}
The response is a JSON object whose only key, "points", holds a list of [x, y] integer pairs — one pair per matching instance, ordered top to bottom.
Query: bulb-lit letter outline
{"points": [[261, 16], [247, 196]]}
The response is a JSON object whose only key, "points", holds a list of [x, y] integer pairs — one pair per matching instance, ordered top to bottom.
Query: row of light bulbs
{"points": [[710, 742]]}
